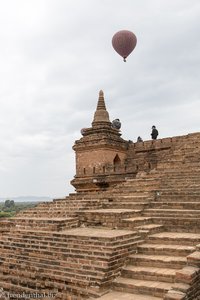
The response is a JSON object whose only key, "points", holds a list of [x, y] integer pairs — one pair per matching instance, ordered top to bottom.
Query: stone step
{"points": [[182, 172], [189, 177], [143, 179], [180, 180], [137, 181], [146, 182], [183, 187], [136, 190], [180, 192], [80, 197], [131, 197], [169, 197], [79, 201], [143, 202], [68, 205], [128, 205], [176, 205], [62, 208], [56, 209], [110, 211], [171, 212], [51, 215], [106, 217], [176, 220], [136, 221], [46, 224], [178, 224], [6, 225], [149, 228], [84, 237], [175, 238], [71, 246], [165, 249], [65, 250], [62, 254], [160, 261], [55, 272], [149, 273], [50, 276], [45, 278], [148, 287], [12, 288], [48, 289], [126, 296]]}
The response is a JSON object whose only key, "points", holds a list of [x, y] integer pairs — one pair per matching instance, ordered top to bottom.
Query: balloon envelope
{"points": [[124, 42]]}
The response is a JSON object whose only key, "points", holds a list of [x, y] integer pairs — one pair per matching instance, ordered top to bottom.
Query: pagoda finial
{"points": [[101, 102], [101, 115]]}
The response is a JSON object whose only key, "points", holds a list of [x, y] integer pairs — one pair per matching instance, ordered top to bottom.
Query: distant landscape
{"points": [[26, 199], [9, 207]]}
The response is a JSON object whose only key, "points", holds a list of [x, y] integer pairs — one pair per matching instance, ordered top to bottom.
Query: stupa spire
{"points": [[101, 102], [101, 116]]}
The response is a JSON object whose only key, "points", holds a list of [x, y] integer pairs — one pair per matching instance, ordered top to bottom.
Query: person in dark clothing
{"points": [[116, 124], [154, 133], [139, 139]]}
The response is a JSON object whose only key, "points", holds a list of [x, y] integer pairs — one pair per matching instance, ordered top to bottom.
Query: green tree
{"points": [[9, 203], [12, 203]]}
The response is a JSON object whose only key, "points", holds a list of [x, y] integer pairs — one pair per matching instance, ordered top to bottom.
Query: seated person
{"points": [[116, 124]]}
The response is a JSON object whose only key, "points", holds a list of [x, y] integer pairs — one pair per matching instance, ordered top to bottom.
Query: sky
{"points": [[55, 57]]}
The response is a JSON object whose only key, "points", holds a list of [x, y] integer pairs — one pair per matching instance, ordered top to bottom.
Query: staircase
{"points": [[177, 204], [139, 240], [73, 261], [162, 267], [152, 271]]}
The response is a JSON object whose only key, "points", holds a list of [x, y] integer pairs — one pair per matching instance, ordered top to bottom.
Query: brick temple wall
{"points": [[99, 161]]}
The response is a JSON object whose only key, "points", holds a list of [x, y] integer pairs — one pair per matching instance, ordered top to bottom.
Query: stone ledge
{"points": [[98, 233], [194, 258], [187, 274], [174, 295], [126, 296]]}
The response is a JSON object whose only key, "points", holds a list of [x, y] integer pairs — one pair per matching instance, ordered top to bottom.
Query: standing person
{"points": [[154, 132]]}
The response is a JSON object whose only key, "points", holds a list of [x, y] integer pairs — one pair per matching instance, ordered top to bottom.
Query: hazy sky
{"points": [[56, 55]]}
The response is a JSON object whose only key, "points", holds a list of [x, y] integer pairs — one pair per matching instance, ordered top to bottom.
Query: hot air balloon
{"points": [[124, 42]]}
